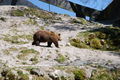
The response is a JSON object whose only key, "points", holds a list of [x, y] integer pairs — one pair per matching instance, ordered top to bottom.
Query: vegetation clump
{"points": [[32, 12], [17, 13], [3, 19], [79, 20], [75, 21], [83, 21], [31, 22], [102, 38], [17, 39], [77, 43], [95, 43], [7, 51], [26, 52], [60, 58], [34, 60], [8, 74], [79, 74], [105, 74], [22, 76]]}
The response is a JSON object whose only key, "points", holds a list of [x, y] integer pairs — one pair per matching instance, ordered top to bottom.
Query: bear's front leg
{"points": [[33, 43], [49, 44], [56, 44]]}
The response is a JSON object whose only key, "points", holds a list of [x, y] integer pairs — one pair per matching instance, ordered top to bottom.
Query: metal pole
{"points": [[49, 5]]}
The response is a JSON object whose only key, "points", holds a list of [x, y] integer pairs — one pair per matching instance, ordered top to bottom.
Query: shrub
{"points": [[30, 12], [17, 13], [38, 13], [2, 19], [75, 21], [83, 21], [31, 22], [101, 35], [91, 36], [101, 38], [16, 39], [78, 43], [95, 43], [26, 52], [60, 58], [34, 60], [8, 74], [79, 74], [105, 74], [24, 77], [39, 78]]}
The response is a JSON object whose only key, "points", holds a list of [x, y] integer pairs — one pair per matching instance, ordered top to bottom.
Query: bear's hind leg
{"points": [[37, 43], [49, 44]]}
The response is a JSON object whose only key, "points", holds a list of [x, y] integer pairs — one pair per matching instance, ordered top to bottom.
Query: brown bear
{"points": [[46, 36]]}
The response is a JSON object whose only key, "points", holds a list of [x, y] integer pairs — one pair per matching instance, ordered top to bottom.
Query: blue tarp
{"points": [[94, 4], [52, 8]]}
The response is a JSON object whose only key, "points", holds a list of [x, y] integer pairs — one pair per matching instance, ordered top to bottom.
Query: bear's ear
{"points": [[59, 34]]}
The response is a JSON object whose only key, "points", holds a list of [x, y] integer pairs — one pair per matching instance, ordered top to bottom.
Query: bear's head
{"points": [[56, 35]]}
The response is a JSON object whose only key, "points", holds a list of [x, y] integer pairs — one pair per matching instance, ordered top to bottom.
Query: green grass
{"points": [[32, 12], [17, 13], [75, 21], [79, 21], [83, 21], [30, 22], [42, 28], [102, 38], [16, 39], [78, 43], [95, 43], [9, 50], [5, 51], [26, 52], [60, 58], [34, 60], [8, 74], [79, 74], [105, 74], [24, 77], [39, 78]]}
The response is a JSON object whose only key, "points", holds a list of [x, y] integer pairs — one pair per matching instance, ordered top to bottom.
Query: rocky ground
{"points": [[48, 63]]}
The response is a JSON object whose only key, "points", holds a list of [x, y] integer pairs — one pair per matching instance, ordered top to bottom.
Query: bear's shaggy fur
{"points": [[46, 36]]}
